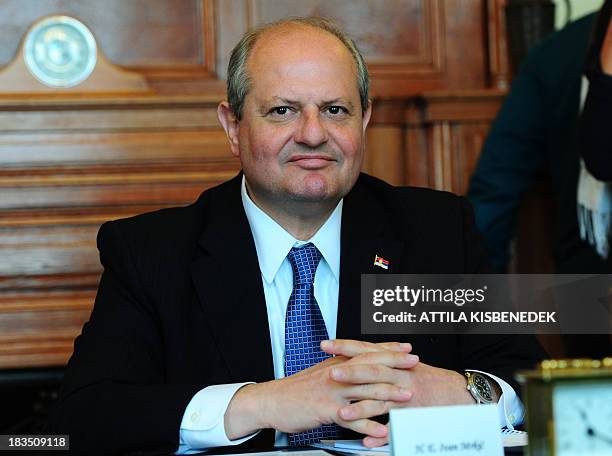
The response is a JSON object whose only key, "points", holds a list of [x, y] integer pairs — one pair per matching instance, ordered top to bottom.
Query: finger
{"points": [[348, 347], [405, 347], [351, 348], [397, 360], [326, 363], [369, 373], [379, 392], [366, 409], [367, 427], [372, 442]]}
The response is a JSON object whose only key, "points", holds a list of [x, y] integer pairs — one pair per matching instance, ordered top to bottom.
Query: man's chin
{"points": [[313, 188], [309, 198], [324, 198]]}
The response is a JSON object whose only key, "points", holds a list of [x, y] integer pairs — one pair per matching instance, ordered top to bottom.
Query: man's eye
{"points": [[280, 110], [335, 110]]}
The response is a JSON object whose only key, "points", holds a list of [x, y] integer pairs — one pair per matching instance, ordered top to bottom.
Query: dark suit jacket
{"points": [[181, 306]]}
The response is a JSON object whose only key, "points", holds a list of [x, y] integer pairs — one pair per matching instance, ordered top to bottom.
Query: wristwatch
{"points": [[480, 388]]}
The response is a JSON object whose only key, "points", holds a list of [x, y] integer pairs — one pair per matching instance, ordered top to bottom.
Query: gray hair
{"points": [[239, 82]]}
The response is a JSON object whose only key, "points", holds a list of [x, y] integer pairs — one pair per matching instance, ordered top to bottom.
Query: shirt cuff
{"points": [[509, 406], [203, 424]]}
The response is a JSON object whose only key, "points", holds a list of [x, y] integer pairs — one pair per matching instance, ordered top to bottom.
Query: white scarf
{"points": [[594, 202]]}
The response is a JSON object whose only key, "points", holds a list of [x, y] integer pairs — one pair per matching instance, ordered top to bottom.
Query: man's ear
{"points": [[366, 115], [230, 125]]}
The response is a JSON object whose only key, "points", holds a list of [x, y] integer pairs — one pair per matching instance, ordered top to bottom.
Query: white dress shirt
{"points": [[203, 426]]}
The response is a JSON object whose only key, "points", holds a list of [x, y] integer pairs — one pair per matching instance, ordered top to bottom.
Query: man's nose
{"points": [[311, 131]]}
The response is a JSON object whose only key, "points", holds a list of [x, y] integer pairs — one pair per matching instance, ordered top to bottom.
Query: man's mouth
{"points": [[311, 161]]}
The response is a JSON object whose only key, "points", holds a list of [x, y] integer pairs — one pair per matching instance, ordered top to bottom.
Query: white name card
{"points": [[456, 430]]}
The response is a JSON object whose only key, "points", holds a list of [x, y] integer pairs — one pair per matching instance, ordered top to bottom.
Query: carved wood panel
{"points": [[157, 37], [410, 45], [499, 65], [444, 135], [68, 165]]}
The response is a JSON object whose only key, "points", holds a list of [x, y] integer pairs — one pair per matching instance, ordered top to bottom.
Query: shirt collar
{"points": [[273, 242]]}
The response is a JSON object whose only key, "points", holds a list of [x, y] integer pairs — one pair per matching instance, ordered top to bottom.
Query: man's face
{"points": [[301, 136]]}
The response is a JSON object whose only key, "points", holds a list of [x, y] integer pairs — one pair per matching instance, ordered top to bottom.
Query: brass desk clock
{"points": [[569, 407]]}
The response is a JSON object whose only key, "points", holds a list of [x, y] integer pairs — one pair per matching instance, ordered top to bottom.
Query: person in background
{"points": [[537, 130], [595, 194]]}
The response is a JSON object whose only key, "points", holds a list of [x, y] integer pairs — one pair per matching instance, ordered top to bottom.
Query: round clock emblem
{"points": [[60, 51]]}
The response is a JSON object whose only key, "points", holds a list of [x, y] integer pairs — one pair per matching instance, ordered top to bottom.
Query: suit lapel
{"points": [[365, 234], [228, 281]]}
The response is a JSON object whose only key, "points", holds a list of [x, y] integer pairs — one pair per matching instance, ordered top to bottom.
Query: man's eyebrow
{"points": [[274, 101], [286, 101]]}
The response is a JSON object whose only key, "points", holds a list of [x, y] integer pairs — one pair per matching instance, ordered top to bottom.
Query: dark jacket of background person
{"points": [[596, 119], [596, 128], [536, 130], [181, 307]]}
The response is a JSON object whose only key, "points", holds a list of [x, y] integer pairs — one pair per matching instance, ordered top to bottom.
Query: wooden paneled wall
{"points": [[70, 160], [66, 166]]}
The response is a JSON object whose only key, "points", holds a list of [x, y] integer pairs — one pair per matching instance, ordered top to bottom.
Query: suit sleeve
{"points": [[512, 156], [475, 252], [499, 354], [114, 399]]}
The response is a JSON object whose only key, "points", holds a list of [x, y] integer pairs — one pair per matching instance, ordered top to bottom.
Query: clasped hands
{"points": [[363, 380]]}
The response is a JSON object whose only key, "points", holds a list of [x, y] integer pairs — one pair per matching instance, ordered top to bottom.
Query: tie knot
{"points": [[304, 261]]}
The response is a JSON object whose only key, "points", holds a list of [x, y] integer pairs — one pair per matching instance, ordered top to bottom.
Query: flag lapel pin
{"points": [[381, 262]]}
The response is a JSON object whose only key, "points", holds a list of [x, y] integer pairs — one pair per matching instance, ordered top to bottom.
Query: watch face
{"points": [[60, 51], [483, 387], [582, 412]]}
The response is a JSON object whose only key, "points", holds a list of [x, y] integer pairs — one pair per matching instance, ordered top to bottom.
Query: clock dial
{"points": [[60, 51], [582, 412]]}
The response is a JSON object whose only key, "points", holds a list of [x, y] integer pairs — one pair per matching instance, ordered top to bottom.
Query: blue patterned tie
{"points": [[304, 331]]}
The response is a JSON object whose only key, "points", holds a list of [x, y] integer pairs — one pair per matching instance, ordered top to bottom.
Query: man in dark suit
{"points": [[210, 323]]}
